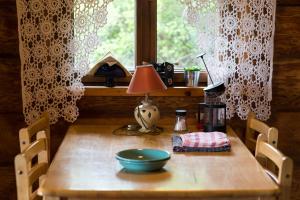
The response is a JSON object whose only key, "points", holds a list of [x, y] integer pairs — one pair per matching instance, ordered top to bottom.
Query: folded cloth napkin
{"points": [[201, 142]]}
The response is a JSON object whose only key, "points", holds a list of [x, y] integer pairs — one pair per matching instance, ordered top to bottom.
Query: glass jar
{"points": [[180, 124]]}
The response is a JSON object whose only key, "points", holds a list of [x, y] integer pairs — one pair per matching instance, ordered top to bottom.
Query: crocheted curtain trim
{"points": [[56, 38], [238, 38]]}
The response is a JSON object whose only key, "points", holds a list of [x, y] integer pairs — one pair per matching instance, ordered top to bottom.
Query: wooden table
{"points": [[85, 167]]}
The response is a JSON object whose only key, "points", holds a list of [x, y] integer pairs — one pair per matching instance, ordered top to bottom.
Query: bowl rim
{"points": [[120, 158], [143, 163]]}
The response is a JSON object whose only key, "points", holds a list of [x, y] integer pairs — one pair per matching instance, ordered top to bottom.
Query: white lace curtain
{"points": [[237, 36], [56, 38]]}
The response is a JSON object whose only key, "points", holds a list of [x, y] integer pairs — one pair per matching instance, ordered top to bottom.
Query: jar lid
{"points": [[181, 112]]}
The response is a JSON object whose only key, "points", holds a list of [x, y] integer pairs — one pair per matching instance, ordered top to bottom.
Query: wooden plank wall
{"points": [[286, 84], [285, 104]]}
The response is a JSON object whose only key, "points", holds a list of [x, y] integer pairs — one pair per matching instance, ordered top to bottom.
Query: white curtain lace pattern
{"points": [[238, 37], [56, 38]]}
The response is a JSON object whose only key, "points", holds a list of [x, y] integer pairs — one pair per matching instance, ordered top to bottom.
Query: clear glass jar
{"points": [[180, 123]]}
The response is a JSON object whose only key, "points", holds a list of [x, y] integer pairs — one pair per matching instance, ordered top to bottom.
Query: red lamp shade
{"points": [[145, 80]]}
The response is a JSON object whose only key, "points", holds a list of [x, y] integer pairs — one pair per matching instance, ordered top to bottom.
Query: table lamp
{"points": [[144, 81]]}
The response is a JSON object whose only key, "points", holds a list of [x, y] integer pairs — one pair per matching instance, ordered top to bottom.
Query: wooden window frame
{"points": [[146, 31], [146, 37]]}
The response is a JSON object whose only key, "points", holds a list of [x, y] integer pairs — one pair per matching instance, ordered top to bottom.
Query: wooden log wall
{"points": [[286, 84], [285, 104]]}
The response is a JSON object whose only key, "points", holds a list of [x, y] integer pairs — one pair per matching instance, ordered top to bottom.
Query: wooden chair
{"points": [[255, 127], [29, 134], [284, 164], [29, 176]]}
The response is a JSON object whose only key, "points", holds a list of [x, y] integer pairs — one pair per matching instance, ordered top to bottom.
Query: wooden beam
{"points": [[145, 31], [121, 91]]}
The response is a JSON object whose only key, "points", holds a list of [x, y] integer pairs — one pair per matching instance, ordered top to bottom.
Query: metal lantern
{"points": [[212, 113], [214, 118]]}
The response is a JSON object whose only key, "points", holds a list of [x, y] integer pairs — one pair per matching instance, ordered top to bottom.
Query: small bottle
{"points": [[180, 124]]}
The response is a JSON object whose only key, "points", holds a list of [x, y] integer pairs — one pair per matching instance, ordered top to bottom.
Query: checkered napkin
{"points": [[201, 142]]}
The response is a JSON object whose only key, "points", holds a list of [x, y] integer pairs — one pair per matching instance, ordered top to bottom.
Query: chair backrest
{"points": [[254, 125], [29, 134], [284, 164], [29, 175]]}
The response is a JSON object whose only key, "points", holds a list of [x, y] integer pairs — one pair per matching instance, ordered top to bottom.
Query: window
{"points": [[150, 31], [118, 35], [176, 39]]}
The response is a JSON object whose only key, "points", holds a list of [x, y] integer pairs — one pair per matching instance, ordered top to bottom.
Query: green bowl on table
{"points": [[143, 160]]}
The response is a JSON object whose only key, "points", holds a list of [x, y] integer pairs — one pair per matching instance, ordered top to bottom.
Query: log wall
{"points": [[285, 104]]}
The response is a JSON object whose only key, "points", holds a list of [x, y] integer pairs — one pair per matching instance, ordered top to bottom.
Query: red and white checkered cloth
{"points": [[205, 139]]}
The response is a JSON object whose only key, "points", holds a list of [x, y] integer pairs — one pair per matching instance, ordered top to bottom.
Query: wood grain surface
{"points": [[8, 29], [121, 91], [285, 104], [85, 166]]}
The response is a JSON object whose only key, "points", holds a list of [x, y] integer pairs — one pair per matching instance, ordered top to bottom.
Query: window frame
{"points": [[146, 31], [146, 37]]}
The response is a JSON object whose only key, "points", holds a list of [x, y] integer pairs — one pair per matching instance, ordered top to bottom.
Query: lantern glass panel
{"points": [[215, 117]]}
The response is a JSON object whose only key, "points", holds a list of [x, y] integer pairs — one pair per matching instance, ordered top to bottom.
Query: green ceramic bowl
{"points": [[143, 159]]}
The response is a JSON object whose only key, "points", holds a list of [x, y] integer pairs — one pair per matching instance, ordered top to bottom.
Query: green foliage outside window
{"points": [[118, 35], [176, 40]]}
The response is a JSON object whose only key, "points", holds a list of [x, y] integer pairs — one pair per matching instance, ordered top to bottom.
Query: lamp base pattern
{"points": [[147, 116]]}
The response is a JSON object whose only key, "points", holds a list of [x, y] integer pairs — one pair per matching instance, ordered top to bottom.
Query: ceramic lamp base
{"points": [[147, 115]]}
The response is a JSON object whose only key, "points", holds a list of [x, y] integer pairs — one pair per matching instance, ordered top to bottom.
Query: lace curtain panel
{"points": [[237, 36], [56, 38]]}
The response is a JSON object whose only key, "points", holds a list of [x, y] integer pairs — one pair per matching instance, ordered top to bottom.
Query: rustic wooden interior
{"points": [[285, 104]]}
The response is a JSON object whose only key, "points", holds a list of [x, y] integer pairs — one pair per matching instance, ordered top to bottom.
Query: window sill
{"points": [[178, 79], [121, 91]]}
